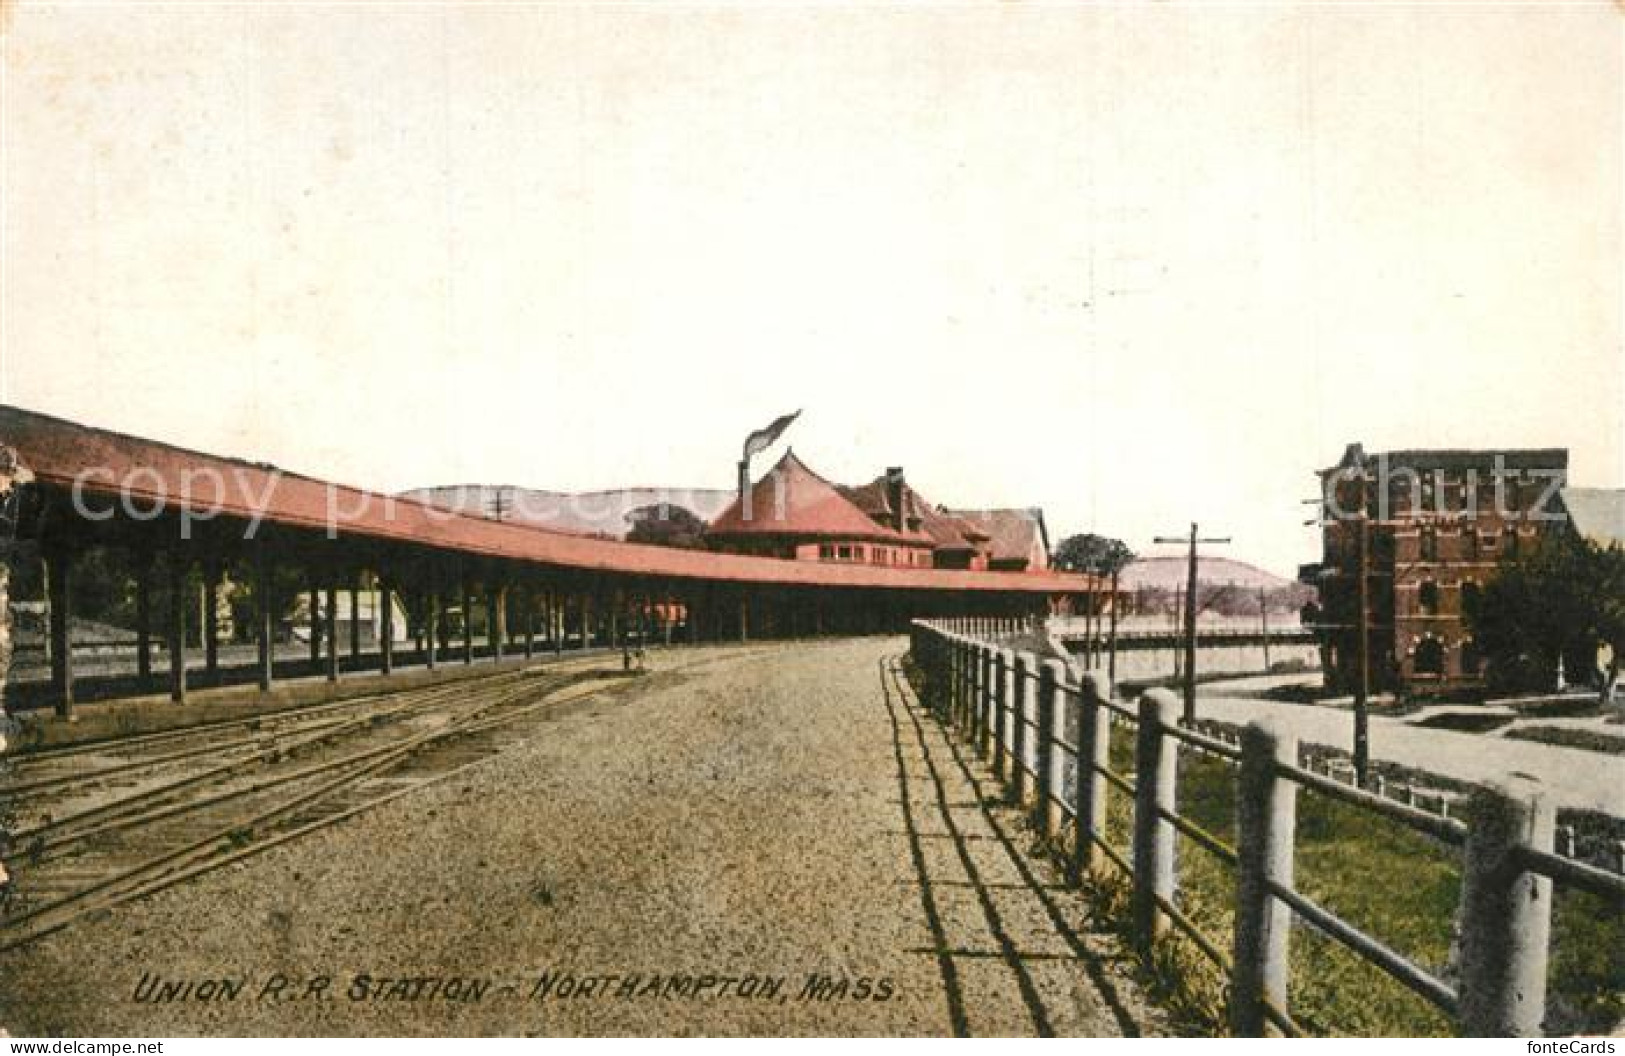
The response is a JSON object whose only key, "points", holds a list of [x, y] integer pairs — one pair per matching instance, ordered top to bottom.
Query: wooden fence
{"points": [[1017, 709]]}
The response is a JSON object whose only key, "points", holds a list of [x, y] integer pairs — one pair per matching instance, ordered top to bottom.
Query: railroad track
{"points": [[153, 811]]}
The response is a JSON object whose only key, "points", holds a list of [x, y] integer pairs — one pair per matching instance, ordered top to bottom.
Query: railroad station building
{"points": [[793, 513], [173, 527]]}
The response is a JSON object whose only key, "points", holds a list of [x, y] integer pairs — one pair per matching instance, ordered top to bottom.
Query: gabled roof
{"points": [[874, 499], [792, 500], [1598, 514], [1014, 534]]}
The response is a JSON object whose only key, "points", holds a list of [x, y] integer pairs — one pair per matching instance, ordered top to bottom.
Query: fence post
{"points": [[1050, 674], [1020, 694], [1001, 702], [984, 703], [1094, 755], [1154, 776], [1266, 818], [1506, 911]]}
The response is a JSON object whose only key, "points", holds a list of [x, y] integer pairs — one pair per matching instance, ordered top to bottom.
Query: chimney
{"points": [[894, 496]]}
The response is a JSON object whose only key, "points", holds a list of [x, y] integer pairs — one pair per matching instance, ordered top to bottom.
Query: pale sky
{"points": [[1137, 266]]}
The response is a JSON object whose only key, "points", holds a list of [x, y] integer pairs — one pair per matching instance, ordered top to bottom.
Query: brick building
{"points": [[1437, 523]]}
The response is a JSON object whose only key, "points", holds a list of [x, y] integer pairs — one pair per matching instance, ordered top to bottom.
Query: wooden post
{"points": [[59, 593], [556, 599], [528, 600], [143, 615], [264, 616], [496, 617], [355, 619], [431, 619], [468, 619], [744, 619], [586, 621], [315, 625], [386, 625], [177, 627], [210, 631], [332, 631], [1111, 656], [1051, 676], [1362, 685], [1020, 695], [985, 706], [1001, 706], [1094, 754], [1154, 792], [1266, 818], [1506, 911]]}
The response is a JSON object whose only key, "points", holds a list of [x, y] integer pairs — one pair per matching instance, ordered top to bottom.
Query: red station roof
{"points": [[107, 465], [792, 500]]}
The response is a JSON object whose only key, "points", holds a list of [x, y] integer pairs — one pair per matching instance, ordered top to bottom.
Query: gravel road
{"points": [[732, 849]]}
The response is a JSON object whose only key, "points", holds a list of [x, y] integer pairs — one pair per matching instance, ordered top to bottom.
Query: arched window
{"points": [[1470, 594], [1427, 598], [1429, 657], [1471, 663]]}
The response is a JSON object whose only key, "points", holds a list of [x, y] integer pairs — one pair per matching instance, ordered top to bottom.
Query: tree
{"points": [[663, 524], [1088, 552], [1566, 601]]}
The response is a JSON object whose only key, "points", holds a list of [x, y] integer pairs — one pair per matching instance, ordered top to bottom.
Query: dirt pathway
{"points": [[774, 844]]}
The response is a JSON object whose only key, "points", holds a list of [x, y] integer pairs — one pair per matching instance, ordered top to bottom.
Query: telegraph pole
{"points": [[1190, 617], [1264, 624], [1362, 650], [1111, 668]]}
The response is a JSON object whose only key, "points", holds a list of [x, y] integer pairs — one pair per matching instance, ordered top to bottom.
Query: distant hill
{"points": [[595, 513], [1170, 572], [1226, 586]]}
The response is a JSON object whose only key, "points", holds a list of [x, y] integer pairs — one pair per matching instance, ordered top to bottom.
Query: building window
{"points": [[1470, 544], [1430, 545], [1514, 545], [826, 552], [843, 553], [1427, 598], [1469, 598], [1429, 657], [1471, 662]]}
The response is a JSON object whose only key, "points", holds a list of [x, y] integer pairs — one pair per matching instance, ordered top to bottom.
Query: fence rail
{"points": [[1017, 710]]}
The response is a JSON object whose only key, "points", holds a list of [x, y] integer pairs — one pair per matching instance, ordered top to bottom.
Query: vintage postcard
{"points": [[866, 520]]}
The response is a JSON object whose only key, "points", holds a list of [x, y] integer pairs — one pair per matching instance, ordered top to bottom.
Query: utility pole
{"points": [[1179, 611], [1190, 617], [1264, 624], [1362, 650], [1111, 662]]}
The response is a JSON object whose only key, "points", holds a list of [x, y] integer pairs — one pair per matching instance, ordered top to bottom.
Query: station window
{"points": [[826, 552], [1429, 657]]}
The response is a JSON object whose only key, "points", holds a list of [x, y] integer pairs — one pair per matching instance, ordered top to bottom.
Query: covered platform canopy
{"points": [[76, 487]]}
